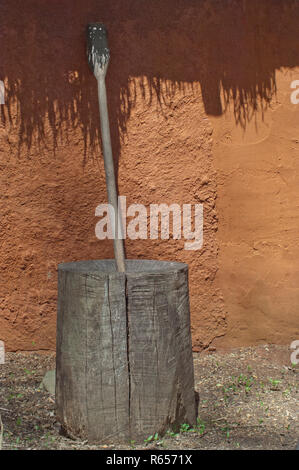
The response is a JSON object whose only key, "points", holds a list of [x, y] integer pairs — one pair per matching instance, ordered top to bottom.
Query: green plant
{"points": [[245, 381], [236, 383], [274, 383], [200, 426], [185, 428], [226, 430], [171, 433], [153, 437]]}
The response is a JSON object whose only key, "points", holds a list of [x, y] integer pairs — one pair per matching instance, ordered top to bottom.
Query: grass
{"points": [[274, 383], [247, 401], [199, 428], [153, 437]]}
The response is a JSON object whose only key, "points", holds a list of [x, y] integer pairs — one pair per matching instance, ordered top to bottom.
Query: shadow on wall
{"points": [[230, 48]]}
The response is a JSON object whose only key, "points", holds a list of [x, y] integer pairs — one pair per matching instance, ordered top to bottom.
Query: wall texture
{"points": [[199, 101]]}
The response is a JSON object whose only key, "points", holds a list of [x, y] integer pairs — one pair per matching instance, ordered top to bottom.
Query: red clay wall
{"points": [[199, 101]]}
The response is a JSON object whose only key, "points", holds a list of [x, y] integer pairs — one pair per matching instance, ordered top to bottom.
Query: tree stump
{"points": [[124, 367]]}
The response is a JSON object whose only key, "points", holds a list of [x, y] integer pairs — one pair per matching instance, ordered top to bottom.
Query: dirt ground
{"points": [[248, 400]]}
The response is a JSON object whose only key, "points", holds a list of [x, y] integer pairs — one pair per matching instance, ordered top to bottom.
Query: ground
{"points": [[248, 400]]}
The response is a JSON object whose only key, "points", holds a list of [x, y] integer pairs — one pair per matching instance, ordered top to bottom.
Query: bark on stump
{"points": [[124, 367]]}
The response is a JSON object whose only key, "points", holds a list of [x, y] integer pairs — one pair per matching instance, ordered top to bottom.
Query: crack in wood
{"points": [[112, 349], [128, 350]]}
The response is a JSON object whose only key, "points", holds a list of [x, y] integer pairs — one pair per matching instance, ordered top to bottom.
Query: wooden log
{"points": [[124, 367]]}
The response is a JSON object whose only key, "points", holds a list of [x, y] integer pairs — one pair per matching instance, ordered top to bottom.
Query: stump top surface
{"points": [[132, 266]]}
